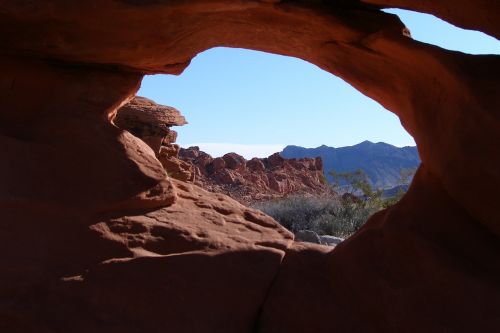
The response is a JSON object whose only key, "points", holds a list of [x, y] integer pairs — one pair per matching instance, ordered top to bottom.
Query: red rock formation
{"points": [[151, 123], [257, 179], [96, 238]]}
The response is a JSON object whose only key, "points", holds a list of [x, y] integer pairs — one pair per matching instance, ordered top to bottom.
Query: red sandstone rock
{"points": [[476, 15], [147, 117], [149, 121], [171, 137], [169, 150], [275, 160], [235, 161], [216, 165], [256, 165], [177, 168], [257, 179], [87, 248], [143, 270], [422, 280]]}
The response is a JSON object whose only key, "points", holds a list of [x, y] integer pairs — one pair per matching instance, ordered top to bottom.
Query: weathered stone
{"points": [[144, 117], [149, 121], [170, 137], [154, 142], [169, 150], [190, 153], [275, 160], [234, 161], [217, 165], [256, 165], [177, 168], [257, 179], [308, 236], [330, 240], [90, 243]]}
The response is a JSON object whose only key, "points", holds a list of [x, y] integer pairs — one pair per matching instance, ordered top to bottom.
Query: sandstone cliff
{"points": [[257, 179]]}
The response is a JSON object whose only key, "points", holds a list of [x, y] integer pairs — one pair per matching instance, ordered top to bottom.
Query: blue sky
{"points": [[256, 103]]}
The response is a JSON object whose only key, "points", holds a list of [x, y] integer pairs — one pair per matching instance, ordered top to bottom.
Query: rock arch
{"points": [[88, 211]]}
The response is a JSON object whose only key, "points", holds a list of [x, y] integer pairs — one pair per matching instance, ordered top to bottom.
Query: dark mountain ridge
{"points": [[381, 162]]}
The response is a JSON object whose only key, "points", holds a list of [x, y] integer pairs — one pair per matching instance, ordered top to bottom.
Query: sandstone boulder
{"points": [[145, 117], [149, 121], [169, 150], [275, 160], [234, 161], [217, 164], [256, 165], [177, 168]]}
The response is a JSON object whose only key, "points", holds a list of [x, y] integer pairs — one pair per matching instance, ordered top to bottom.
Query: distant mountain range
{"points": [[381, 162]]}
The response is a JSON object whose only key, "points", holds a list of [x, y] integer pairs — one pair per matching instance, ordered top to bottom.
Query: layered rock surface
{"points": [[152, 122], [257, 179], [81, 200], [204, 260]]}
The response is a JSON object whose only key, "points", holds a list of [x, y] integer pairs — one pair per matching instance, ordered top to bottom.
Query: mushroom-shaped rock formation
{"points": [[145, 117], [151, 122], [95, 237]]}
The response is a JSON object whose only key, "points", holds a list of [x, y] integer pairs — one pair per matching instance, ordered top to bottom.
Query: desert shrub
{"points": [[298, 212], [330, 215], [334, 215], [348, 218]]}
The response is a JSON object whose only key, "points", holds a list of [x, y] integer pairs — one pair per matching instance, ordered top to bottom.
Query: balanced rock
{"points": [[143, 116], [149, 121]]}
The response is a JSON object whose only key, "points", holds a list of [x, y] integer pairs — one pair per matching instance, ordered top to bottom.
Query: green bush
{"points": [[324, 215], [332, 215]]}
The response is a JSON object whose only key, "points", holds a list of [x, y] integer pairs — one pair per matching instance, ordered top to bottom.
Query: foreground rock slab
{"points": [[204, 260]]}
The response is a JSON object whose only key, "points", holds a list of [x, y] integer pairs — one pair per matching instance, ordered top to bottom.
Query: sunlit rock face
{"points": [[150, 122], [259, 179], [96, 238]]}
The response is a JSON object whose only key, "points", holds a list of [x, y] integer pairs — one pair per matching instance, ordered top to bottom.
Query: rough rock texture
{"points": [[143, 117], [149, 121], [257, 179], [80, 198], [204, 260], [420, 277]]}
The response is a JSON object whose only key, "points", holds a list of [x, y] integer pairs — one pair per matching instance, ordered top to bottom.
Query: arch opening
{"points": [[256, 104]]}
